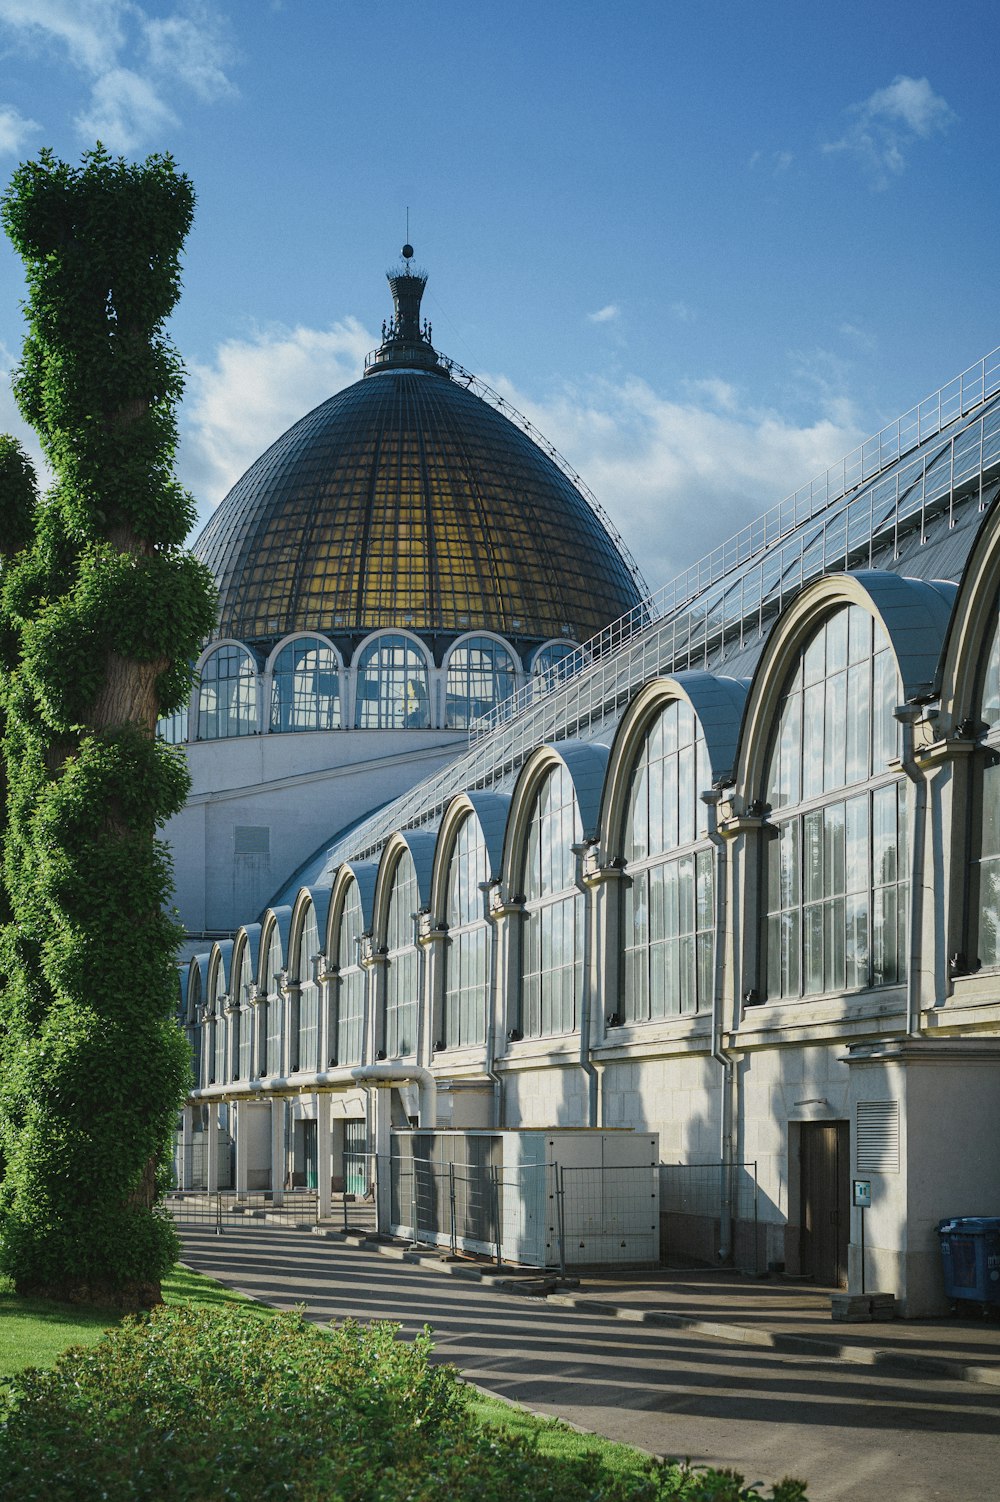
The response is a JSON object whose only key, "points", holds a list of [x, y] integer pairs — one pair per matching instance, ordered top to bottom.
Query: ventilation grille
{"points": [[251, 839], [878, 1136]]}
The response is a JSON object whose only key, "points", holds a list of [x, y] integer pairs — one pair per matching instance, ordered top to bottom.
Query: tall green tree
{"points": [[101, 610]]}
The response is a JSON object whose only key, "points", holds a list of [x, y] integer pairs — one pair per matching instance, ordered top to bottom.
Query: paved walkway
{"points": [[898, 1433]]}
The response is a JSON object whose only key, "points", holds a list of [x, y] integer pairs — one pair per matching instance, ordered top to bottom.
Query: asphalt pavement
{"points": [[878, 1429]]}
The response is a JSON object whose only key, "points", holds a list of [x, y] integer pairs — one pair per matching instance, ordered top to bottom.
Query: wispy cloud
{"points": [[133, 64], [883, 127], [15, 130], [775, 162], [683, 312], [608, 314], [252, 391], [677, 476]]}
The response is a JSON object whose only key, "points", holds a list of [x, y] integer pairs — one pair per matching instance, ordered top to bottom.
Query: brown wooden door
{"points": [[825, 1179]]}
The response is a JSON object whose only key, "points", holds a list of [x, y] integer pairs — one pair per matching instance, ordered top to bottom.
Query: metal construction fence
{"points": [[693, 1199], [352, 1203], [536, 1215]]}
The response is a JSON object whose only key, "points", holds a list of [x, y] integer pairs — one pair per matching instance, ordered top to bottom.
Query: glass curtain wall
{"points": [[551, 664], [481, 674], [392, 686], [305, 687], [227, 695], [837, 862], [668, 900], [987, 916], [552, 933], [401, 969], [350, 981], [465, 985], [216, 1002], [274, 1006], [243, 1018], [307, 1036]]}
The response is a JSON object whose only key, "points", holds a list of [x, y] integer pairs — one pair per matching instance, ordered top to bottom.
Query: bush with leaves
{"points": [[101, 611], [194, 1406]]}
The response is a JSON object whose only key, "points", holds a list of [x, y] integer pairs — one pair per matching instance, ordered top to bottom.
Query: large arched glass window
{"points": [[553, 663], [481, 675], [392, 686], [305, 687], [227, 695], [173, 728], [837, 860], [987, 868], [667, 895], [552, 943], [401, 965], [350, 980], [275, 1003], [243, 1019], [464, 1020], [192, 1028], [307, 1037], [217, 1051]]}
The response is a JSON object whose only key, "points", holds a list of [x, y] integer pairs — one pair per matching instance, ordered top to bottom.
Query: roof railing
{"points": [[924, 421]]}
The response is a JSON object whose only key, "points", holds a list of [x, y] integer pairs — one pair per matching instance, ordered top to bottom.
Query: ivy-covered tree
{"points": [[101, 611]]}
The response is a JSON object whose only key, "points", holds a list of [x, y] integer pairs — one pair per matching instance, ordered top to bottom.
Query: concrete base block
{"points": [[855, 1308]]}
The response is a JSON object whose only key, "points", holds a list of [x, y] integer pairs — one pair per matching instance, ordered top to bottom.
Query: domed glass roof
{"points": [[407, 500]]}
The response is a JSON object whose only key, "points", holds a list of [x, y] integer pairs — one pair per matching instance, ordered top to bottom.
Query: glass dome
{"points": [[408, 501]]}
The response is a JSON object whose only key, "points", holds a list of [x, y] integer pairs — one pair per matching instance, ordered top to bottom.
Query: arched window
{"points": [[551, 664], [481, 674], [392, 686], [305, 687], [227, 695], [173, 728], [837, 860], [987, 867], [668, 916], [552, 943], [401, 966], [350, 980], [243, 1019], [464, 1020], [192, 1028], [272, 1031], [307, 1038], [217, 1051]]}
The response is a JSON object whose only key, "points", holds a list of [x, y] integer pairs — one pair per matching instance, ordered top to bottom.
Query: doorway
{"points": [[306, 1156], [825, 1190]]}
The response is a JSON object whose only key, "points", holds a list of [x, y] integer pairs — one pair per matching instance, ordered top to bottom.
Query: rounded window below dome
{"points": [[482, 673], [306, 686], [393, 688], [227, 694]]}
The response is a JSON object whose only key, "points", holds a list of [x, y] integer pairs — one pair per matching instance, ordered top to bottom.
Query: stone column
{"points": [[241, 1110], [212, 1149], [278, 1150], [324, 1156], [186, 1165]]}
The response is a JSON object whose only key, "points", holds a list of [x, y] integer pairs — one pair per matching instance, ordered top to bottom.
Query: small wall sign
{"points": [[862, 1193]]}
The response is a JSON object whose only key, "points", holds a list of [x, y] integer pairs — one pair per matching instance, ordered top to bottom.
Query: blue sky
{"points": [[706, 247]]}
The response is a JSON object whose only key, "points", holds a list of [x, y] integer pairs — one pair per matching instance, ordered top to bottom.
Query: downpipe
{"points": [[907, 715], [711, 799], [493, 1019], [403, 1074]]}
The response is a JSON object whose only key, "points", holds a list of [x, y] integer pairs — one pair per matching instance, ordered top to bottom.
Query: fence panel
{"points": [[692, 1199]]}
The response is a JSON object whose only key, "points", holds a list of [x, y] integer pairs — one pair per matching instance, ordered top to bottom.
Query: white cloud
{"points": [[90, 30], [194, 49], [133, 63], [125, 110], [886, 124], [15, 130], [776, 162], [683, 312], [607, 314], [253, 391], [13, 423]]}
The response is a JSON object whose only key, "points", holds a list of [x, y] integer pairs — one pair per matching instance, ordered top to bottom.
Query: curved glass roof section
{"points": [[407, 500]]}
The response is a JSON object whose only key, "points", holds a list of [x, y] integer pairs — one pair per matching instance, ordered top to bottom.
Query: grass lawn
{"points": [[34, 1332]]}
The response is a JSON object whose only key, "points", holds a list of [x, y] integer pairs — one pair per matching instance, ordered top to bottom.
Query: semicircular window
{"points": [[481, 675], [305, 686], [392, 689], [227, 694]]}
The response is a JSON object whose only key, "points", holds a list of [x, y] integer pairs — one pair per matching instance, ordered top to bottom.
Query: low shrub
{"points": [[209, 1406]]}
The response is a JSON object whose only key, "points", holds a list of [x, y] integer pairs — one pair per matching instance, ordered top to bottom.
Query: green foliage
{"points": [[101, 611], [192, 1406]]}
